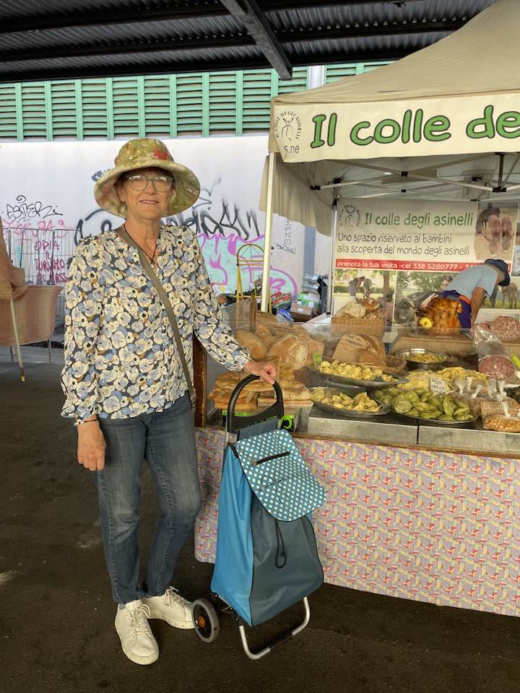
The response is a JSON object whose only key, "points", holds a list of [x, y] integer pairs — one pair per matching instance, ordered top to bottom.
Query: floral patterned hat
{"points": [[147, 153]]}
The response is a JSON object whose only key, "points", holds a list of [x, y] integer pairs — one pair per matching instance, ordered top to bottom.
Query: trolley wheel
{"points": [[205, 620]]}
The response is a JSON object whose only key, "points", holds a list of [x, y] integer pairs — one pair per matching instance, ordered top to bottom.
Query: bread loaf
{"points": [[262, 331], [252, 342], [375, 345], [348, 348], [290, 350], [228, 381]]}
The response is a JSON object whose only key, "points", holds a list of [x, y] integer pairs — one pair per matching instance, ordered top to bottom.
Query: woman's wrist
{"points": [[82, 422]]}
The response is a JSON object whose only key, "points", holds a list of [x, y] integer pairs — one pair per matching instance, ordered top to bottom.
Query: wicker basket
{"points": [[360, 326], [346, 353], [370, 358], [388, 364], [394, 365]]}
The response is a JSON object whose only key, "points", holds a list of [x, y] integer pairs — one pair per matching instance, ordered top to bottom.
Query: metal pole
{"points": [[333, 225], [268, 233], [17, 340]]}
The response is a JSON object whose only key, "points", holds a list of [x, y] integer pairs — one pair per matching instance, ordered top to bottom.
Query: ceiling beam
{"points": [[273, 5], [187, 10], [191, 10], [248, 12], [348, 32], [221, 41], [137, 46], [216, 65]]}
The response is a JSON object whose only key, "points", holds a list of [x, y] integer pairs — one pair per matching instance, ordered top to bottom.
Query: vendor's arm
{"points": [[477, 299], [83, 309], [215, 336]]}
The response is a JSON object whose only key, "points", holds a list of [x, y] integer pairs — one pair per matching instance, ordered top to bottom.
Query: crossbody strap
{"points": [[147, 267]]}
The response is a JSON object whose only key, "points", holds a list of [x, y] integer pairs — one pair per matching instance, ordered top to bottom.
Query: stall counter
{"points": [[436, 527]]}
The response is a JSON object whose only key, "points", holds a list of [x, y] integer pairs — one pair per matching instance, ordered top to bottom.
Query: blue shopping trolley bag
{"points": [[267, 559]]}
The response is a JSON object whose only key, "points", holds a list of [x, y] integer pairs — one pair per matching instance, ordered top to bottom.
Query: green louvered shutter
{"points": [[370, 67], [335, 72], [298, 82], [259, 87], [222, 94], [94, 97], [189, 104], [157, 106], [160, 106], [126, 107], [34, 109], [64, 109], [8, 113]]}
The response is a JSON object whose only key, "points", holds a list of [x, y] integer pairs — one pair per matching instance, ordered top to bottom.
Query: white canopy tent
{"points": [[443, 123]]}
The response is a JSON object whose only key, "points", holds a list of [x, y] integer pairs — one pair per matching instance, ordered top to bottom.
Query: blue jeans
{"points": [[166, 440]]}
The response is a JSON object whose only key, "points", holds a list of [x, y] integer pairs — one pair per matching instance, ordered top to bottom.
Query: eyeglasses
{"points": [[139, 182]]}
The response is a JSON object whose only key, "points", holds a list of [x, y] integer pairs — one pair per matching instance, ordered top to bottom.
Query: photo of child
{"points": [[495, 233]]}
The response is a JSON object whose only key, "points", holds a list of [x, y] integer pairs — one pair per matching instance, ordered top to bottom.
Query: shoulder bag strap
{"points": [[147, 267]]}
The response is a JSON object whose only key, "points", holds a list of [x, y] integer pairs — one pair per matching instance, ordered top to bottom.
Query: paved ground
{"points": [[56, 615]]}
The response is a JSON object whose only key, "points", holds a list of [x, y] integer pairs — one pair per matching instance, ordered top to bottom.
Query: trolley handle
{"points": [[236, 423]]}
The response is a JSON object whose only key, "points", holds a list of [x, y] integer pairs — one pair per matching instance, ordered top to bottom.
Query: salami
{"points": [[506, 329], [497, 366]]}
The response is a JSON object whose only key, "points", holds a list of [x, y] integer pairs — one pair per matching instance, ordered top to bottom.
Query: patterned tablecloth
{"points": [[430, 526]]}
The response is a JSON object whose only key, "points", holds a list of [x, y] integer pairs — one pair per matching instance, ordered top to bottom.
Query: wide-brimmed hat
{"points": [[147, 153], [502, 266]]}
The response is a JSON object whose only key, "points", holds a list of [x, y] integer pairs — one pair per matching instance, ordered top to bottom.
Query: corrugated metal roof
{"points": [[183, 30], [78, 38]]}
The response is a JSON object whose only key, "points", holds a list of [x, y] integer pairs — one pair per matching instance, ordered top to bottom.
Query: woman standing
{"points": [[124, 383]]}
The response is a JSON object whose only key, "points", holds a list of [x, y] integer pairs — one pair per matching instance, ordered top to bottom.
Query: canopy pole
{"points": [[333, 225], [268, 234]]}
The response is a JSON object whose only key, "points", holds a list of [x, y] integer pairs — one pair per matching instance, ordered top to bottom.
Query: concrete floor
{"points": [[56, 614]]}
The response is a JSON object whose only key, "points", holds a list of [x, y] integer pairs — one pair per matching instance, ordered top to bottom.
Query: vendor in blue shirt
{"points": [[471, 287]]}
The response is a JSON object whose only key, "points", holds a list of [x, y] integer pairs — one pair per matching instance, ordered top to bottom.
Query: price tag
{"points": [[438, 386]]}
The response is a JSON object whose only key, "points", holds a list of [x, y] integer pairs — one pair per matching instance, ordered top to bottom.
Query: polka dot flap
{"points": [[279, 476]]}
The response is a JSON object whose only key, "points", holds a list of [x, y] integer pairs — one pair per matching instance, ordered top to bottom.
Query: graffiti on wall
{"points": [[222, 228], [38, 239], [42, 241]]}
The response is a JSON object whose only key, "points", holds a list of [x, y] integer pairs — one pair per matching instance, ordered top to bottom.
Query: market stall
{"points": [[422, 497]]}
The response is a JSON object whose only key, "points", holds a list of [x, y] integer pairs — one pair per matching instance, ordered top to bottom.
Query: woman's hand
{"points": [[265, 370], [91, 446]]}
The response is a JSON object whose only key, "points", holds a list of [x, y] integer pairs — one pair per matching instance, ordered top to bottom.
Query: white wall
{"points": [[47, 203]]}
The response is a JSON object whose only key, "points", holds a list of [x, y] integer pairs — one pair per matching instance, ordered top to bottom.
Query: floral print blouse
{"points": [[120, 354]]}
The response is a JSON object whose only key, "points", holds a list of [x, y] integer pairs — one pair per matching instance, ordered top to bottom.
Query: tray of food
{"points": [[425, 359], [359, 375], [338, 402], [423, 405]]}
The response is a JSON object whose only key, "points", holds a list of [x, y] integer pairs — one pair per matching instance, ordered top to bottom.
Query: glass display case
{"points": [[348, 378]]}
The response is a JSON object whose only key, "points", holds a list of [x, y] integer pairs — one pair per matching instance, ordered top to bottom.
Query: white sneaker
{"points": [[172, 608], [133, 629]]}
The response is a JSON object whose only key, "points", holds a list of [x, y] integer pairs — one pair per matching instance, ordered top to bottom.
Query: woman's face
{"points": [[148, 203]]}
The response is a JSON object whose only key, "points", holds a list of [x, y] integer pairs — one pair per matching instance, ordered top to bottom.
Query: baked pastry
{"points": [[262, 331], [252, 342], [290, 350], [294, 394]]}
